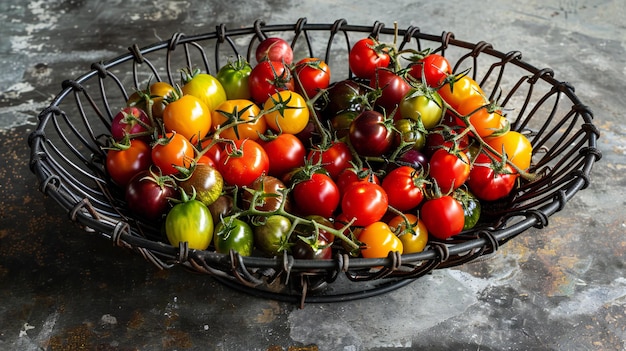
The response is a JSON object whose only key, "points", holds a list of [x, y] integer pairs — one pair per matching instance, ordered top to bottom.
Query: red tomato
{"points": [[274, 49], [366, 55], [434, 69], [312, 75], [268, 78], [130, 121], [173, 151], [285, 152], [334, 159], [244, 161], [123, 164], [449, 170], [350, 176], [490, 181], [404, 187], [317, 195], [365, 201], [443, 217], [378, 241]]}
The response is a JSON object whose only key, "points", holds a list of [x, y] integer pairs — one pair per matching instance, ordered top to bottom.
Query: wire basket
{"points": [[67, 155]]}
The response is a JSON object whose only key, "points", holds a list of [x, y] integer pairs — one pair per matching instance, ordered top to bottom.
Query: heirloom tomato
{"points": [[274, 49], [366, 55], [432, 69], [311, 76], [268, 78], [235, 79], [205, 87], [393, 88], [459, 89], [157, 92], [345, 96], [423, 105], [288, 112], [245, 113], [481, 114], [188, 116], [132, 122], [372, 134], [409, 134], [515, 145], [172, 151], [285, 152], [334, 158], [244, 161], [123, 163], [448, 169], [350, 176], [491, 179], [206, 181], [404, 187], [269, 193], [147, 195], [317, 195], [365, 201], [443, 216], [189, 221], [233, 234], [413, 235], [271, 236], [378, 240]]}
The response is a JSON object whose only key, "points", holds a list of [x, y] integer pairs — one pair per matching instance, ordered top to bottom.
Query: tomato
{"points": [[274, 49], [366, 55], [432, 69], [311, 76], [268, 78], [235, 79], [205, 87], [393, 88], [459, 89], [156, 92], [345, 96], [422, 105], [244, 112], [290, 112], [481, 114], [188, 116], [132, 122], [340, 124], [371, 134], [409, 134], [445, 136], [516, 146], [172, 151], [285, 152], [334, 158], [413, 158], [246, 161], [123, 163], [449, 170], [350, 176], [491, 180], [206, 181], [404, 187], [270, 190], [147, 195], [317, 195], [365, 201], [222, 207], [471, 207], [443, 216], [189, 221], [233, 234], [413, 235], [272, 236], [378, 241], [309, 245]]}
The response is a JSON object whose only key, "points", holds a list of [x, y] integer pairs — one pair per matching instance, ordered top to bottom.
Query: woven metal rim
{"points": [[71, 176]]}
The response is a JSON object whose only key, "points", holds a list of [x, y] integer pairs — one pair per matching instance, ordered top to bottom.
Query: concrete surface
{"points": [[559, 288]]}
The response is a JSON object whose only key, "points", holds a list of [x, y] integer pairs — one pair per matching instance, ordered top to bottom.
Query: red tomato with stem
{"points": [[274, 49], [366, 55], [432, 69], [311, 76], [268, 78], [393, 88], [372, 134], [285, 152], [334, 158], [244, 162], [122, 164], [448, 169], [350, 176], [489, 179], [404, 187], [317, 195], [365, 201], [443, 216]]}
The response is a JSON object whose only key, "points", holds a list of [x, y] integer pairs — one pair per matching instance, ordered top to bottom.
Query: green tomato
{"points": [[234, 77], [423, 105], [410, 133], [471, 207], [189, 221], [235, 234], [271, 237]]}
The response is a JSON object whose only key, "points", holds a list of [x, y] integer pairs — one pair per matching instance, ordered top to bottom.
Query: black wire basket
{"points": [[67, 155]]}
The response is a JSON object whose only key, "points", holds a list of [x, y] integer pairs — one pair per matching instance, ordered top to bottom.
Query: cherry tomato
{"points": [[274, 49], [366, 55], [432, 69], [312, 75], [268, 78], [235, 79], [205, 87], [393, 88], [457, 91], [156, 92], [343, 97], [422, 105], [240, 111], [291, 114], [481, 114], [188, 116], [133, 122], [371, 134], [409, 134], [516, 146], [172, 151], [285, 152], [334, 158], [245, 162], [123, 164], [449, 170], [350, 176], [491, 180], [206, 181], [404, 187], [269, 192], [147, 195], [317, 195], [365, 201], [471, 207], [443, 216], [189, 221], [233, 234], [272, 236], [414, 237], [378, 241], [310, 244]]}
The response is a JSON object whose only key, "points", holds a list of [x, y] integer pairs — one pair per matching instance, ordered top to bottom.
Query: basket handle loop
{"points": [[376, 28], [258, 30], [136, 52]]}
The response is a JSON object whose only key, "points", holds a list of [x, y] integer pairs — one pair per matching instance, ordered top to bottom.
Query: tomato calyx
{"points": [[234, 118]]}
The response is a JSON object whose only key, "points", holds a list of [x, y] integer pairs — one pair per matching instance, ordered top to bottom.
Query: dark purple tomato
{"points": [[371, 134], [147, 196]]}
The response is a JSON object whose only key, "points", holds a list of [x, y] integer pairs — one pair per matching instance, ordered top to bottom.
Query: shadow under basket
{"points": [[67, 155]]}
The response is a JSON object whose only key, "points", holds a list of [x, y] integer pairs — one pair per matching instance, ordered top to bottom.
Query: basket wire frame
{"points": [[67, 154]]}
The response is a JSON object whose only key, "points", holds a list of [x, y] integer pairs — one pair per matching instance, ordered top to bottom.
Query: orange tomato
{"points": [[238, 110], [291, 115], [188, 116], [516, 146], [378, 241], [412, 242]]}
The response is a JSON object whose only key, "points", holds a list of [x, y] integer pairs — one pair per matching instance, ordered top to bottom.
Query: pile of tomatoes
{"points": [[272, 157]]}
